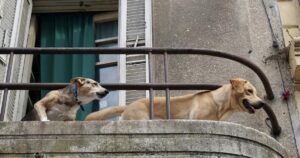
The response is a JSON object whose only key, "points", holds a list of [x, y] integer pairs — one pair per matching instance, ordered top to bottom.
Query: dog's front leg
{"points": [[46, 103], [41, 111], [72, 113]]}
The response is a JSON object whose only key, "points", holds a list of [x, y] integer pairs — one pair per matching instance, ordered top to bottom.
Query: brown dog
{"points": [[238, 96], [63, 104]]}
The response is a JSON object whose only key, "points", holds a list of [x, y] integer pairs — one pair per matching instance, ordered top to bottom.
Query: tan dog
{"points": [[238, 96], [63, 104]]}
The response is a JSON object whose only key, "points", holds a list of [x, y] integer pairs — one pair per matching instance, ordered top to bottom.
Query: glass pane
{"points": [[106, 29], [108, 74]]}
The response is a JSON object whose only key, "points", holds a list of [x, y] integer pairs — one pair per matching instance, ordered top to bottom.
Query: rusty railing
{"points": [[147, 86]]}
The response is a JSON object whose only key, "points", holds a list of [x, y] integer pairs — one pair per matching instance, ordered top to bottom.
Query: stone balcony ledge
{"points": [[136, 139]]}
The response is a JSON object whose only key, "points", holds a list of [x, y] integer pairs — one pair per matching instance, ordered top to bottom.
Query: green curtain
{"points": [[67, 30]]}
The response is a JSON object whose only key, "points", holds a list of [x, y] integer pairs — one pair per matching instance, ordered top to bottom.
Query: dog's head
{"points": [[87, 89], [245, 95]]}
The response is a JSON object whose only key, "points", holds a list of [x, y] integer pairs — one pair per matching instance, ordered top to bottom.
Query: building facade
{"points": [[250, 29]]}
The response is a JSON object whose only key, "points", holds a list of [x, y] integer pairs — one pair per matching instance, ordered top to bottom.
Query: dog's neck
{"points": [[221, 95], [68, 98], [224, 100]]}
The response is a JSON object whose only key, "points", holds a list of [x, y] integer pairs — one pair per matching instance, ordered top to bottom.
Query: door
{"points": [[67, 30]]}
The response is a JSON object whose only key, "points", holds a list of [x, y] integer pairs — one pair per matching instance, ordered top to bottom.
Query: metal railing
{"points": [[147, 86]]}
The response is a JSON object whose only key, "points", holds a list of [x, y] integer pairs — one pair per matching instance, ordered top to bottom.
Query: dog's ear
{"points": [[78, 80], [238, 85]]}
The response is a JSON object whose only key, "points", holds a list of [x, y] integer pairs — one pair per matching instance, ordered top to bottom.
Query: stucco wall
{"points": [[237, 27], [136, 139]]}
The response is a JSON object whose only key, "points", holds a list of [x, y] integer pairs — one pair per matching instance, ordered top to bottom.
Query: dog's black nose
{"points": [[102, 94], [259, 105]]}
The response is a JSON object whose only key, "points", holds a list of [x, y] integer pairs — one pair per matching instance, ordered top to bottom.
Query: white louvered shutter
{"points": [[136, 37], [17, 100]]}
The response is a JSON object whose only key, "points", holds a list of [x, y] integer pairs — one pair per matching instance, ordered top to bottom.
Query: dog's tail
{"points": [[106, 113]]}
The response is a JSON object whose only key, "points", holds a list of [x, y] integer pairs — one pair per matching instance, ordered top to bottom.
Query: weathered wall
{"points": [[238, 27], [136, 139]]}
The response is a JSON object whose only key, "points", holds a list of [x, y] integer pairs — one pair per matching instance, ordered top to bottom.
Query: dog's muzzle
{"points": [[102, 94], [251, 107]]}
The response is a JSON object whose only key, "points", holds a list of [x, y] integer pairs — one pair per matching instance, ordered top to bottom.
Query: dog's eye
{"points": [[88, 82], [95, 84], [250, 91]]}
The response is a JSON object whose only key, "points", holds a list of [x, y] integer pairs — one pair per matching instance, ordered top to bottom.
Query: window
{"points": [[106, 35]]}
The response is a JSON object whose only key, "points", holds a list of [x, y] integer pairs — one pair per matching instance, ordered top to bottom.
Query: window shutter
{"points": [[8, 9], [4, 24], [4, 36], [135, 37], [17, 100]]}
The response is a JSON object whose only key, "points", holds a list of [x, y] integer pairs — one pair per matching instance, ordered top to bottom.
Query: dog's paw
{"points": [[44, 119]]}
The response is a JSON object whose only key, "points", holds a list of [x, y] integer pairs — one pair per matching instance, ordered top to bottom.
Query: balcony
{"points": [[137, 138]]}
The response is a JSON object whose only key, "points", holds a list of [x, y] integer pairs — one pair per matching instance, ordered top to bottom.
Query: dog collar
{"points": [[75, 95]]}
